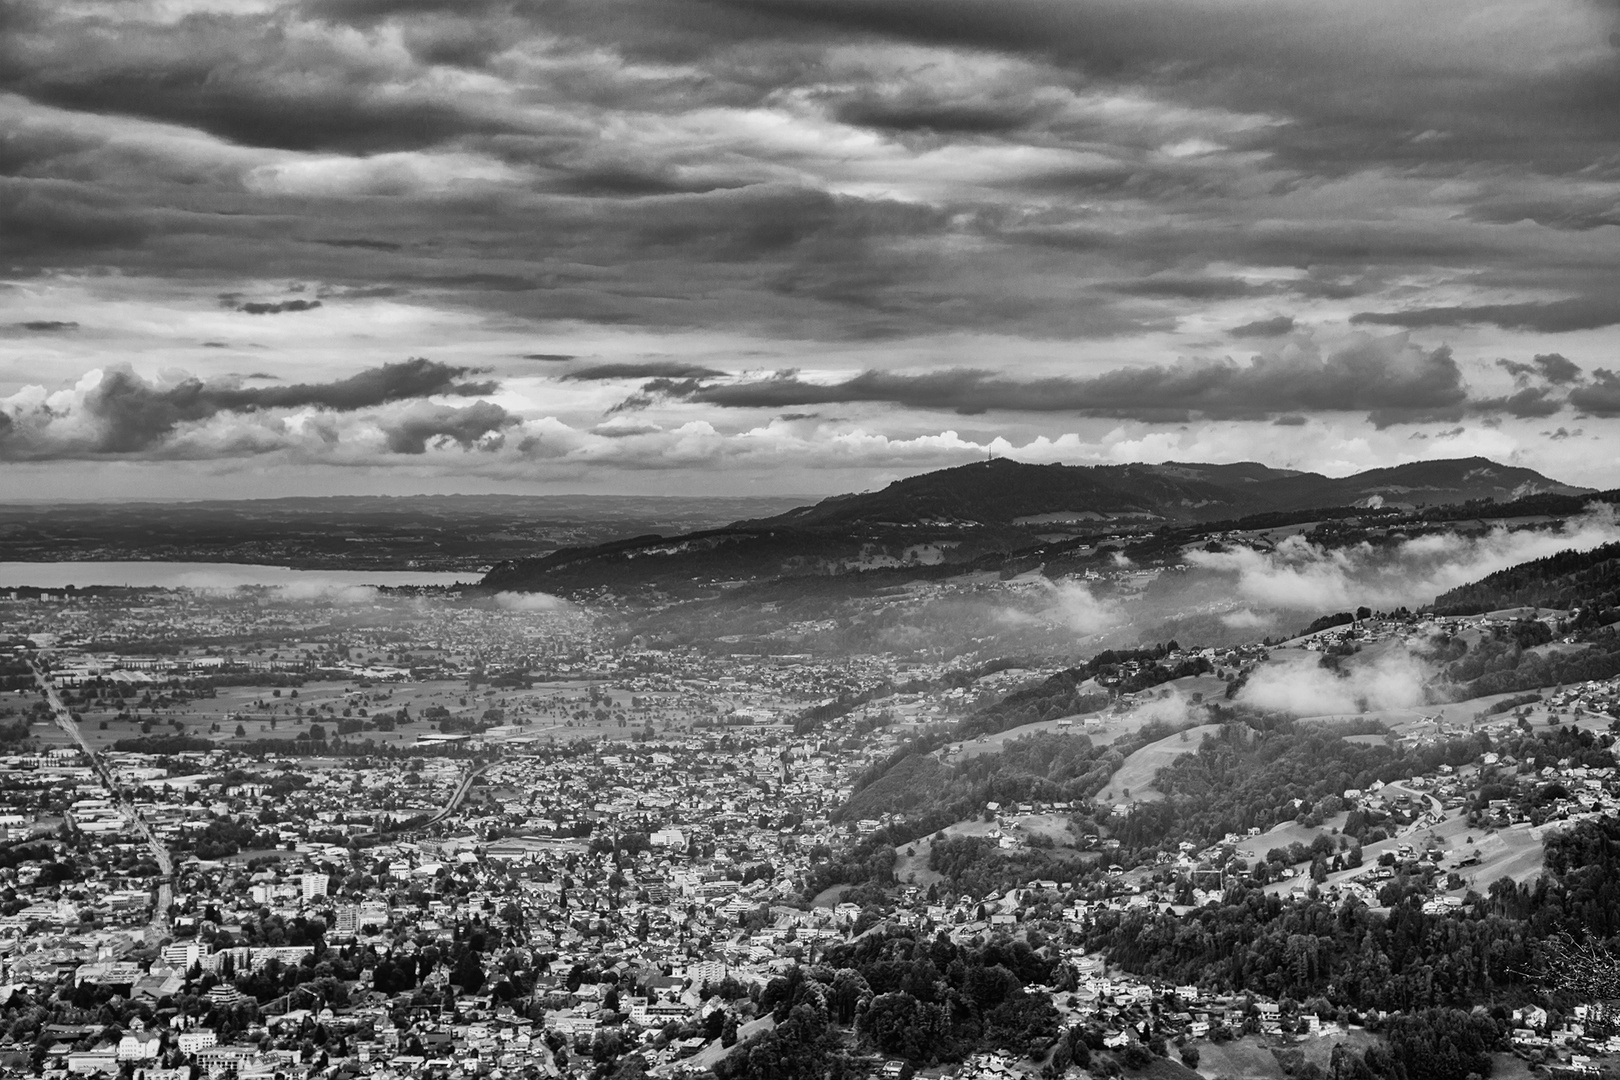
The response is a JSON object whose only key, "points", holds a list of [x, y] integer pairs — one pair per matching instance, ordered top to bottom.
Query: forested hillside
{"points": [[1586, 579], [1116, 671]]}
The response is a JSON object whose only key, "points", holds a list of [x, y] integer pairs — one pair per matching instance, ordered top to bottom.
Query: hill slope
{"points": [[1586, 579]]}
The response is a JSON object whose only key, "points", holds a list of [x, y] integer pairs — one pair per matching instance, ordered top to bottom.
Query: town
{"points": [[413, 837]]}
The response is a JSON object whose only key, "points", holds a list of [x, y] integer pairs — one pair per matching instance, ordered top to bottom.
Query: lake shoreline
{"points": [[198, 574]]}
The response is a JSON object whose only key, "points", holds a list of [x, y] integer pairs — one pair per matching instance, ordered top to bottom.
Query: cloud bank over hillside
{"points": [[1302, 577]]}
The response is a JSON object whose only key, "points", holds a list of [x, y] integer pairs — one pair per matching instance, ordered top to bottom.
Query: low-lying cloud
{"points": [[1302, 577], [327, 592], [532, 602], [1072, 606], [1301, 686]]}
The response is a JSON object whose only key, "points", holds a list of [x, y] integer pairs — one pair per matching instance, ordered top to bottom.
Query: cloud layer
{"points": [[1036, 214], [1390, 378], [115, 411], [1304, 578]]}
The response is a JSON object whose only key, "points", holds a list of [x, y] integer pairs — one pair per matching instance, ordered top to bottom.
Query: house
{"points": [[190, 1042], [140, 1046], [93, 1062]]}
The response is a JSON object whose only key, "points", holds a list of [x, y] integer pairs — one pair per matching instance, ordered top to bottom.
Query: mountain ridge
{"points": [[972, 492], [964, 513]]}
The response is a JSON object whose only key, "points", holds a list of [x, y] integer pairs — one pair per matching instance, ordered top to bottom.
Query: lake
{"points": [[205, 575]]}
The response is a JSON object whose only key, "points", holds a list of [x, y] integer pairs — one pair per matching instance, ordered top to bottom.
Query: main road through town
{"points": [[64, 720]]}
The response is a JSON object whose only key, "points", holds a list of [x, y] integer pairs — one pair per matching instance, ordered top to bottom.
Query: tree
{"points": [[468, 972], [728, 1030], [1189, 1055]]}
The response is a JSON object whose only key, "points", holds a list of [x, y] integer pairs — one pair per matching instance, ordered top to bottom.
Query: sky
{"points": [[261, 248]]}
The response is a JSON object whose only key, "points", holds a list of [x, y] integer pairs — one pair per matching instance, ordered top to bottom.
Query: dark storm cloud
{"points": [[369, 12], [240, 77], [1363, 90], [924, 114], [632, 181], [1574, 212], [55, 217], [770, 219], [364, 244], [490, 281], [1176, 288], [361, 292], [279, 307], [1547, 317], [48, 326], [1276, 326], [550, 358], [1554, 368], [644, 369], [413, 378], [1392, 381], [1599, 398], [1529, 402], [130, 414], [411, 433]]}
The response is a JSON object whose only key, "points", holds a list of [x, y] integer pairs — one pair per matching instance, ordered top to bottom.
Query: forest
{"points": [[1569, 579], [1511, 661], [925, 1001]]}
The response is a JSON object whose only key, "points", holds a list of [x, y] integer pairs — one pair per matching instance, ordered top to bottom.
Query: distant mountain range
{"points": [[1004, 492], [961, 514]]}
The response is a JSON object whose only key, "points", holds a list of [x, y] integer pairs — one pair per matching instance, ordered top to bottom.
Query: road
{"points": [[64, 719], [460, 793], [456, 799], [1435, 807]]}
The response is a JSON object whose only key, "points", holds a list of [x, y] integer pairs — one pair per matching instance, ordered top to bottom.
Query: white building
{"points": [[314, 885], [192, 1041]]}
